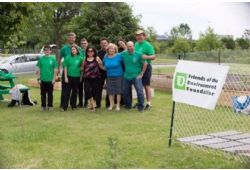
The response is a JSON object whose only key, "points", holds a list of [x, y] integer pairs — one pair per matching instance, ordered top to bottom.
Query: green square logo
{"points": [[180, 81]]}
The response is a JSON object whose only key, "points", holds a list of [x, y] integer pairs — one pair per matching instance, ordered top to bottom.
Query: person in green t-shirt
{"points": [[64, 52], [148, 53], [135, 67], [72, 72], [46, 74]]}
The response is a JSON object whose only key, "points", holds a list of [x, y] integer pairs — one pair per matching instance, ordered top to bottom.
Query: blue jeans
{"points": [[127, 84]]}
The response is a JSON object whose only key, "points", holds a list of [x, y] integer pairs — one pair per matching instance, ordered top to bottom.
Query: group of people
{"points": [[87, 71]]}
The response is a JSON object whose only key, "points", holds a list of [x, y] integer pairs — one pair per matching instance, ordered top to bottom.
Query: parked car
{"points": [[20, 64]]}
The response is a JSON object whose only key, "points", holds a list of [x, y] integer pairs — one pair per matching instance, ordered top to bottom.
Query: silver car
{"points": [[20, 64]]}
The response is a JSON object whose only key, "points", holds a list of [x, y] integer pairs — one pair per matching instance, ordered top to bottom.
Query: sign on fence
{"points": [[198, 84]]}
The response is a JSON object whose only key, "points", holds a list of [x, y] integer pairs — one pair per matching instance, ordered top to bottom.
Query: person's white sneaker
{"points": [[110, 108], [51, 109]]}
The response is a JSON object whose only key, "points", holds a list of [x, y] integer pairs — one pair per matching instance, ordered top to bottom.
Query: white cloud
{"points": [[225, 17]]}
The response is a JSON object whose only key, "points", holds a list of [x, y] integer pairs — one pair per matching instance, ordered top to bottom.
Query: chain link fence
{"points": [[214, 56], [223, 122]]}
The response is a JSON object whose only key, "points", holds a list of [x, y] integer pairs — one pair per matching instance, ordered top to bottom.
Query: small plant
{"points": [[113, 152]]}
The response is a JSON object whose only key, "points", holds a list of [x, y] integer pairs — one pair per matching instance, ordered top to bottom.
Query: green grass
{"points": [[162, 60], [164, 70], [82, 139]]}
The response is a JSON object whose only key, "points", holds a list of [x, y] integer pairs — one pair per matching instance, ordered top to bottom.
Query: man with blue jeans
{"points": [[135, 67]]}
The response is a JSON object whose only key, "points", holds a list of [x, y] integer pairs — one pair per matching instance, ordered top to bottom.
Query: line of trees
{"points": [[48, 22], [32, 24], [180, 40]]}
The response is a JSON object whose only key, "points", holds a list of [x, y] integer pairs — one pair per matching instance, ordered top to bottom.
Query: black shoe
{"points": [[12, 103], [79, 105], [135, 106], [127, 107], [147, 107], [43, 109], [141, 110]]}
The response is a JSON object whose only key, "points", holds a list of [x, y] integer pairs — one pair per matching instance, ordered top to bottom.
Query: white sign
{"points": [[198, 83]]}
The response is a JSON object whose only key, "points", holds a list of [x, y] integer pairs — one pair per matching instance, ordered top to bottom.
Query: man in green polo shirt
{"points": [[64, 52], [148, 54], [135, 67], [47, 69]]}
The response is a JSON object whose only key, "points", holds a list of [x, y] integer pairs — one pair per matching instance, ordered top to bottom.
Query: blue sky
{"points": [[226, 18]]}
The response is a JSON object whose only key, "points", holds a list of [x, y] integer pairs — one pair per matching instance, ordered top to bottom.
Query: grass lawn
{"points": [[162, 60], [164, 70], [82, 139]]}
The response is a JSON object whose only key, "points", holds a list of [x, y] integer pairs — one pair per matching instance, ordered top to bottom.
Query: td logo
{"points": [[180, 81]]}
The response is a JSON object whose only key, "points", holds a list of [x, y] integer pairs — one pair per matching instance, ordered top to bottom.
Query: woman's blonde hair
{"points": [[110, 46]]}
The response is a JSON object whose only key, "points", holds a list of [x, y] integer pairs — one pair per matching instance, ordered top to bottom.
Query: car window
{"points": [[33, 58], [21, 59]]}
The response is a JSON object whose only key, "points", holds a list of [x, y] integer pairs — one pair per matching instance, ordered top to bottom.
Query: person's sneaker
{"points": [[12, 103], [80, 106], [135, 106], [147, 107], [73, 108], [110, 108], [127, 108], [43, 109], [51, 109], [92, 109], [117, 109], [63, 110], [141, 110]]}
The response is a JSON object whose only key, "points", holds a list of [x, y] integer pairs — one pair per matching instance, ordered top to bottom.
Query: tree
{"points": [[11, 15], [106, 19], [49, 22], [181, 31], [151, 34], [181, 34], [246, 34], [151, 37], [208, 41], [228, 43], [242, 43], [181, 45]]}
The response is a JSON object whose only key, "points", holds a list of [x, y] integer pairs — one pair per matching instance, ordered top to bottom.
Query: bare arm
{"points": [[148, 57], [100, 63], [101, 66], [144, 67], [55, 74], [38, 75], [65, 75]]}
